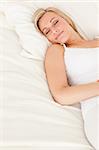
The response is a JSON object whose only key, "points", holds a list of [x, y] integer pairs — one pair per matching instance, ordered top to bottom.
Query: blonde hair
{"points": [[40, 12]]}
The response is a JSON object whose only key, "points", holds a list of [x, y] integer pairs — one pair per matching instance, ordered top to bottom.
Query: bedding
{"points": [[82, 67], [29, 116], [30, 119]]}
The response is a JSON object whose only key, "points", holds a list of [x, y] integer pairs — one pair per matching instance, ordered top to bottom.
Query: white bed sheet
{"points": [[29, 117]]}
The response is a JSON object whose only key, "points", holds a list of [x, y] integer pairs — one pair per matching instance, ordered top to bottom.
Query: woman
{"points": [[61, 31]]}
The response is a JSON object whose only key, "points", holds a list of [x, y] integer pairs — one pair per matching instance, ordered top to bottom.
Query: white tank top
{"points": [[82, 64]]}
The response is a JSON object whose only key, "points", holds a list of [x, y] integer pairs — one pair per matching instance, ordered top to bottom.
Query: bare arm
{"points": [[91, 43], [57, 79], [74, 94]]}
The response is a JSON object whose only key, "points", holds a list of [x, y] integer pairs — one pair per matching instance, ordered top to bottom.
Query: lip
{"points": [[59, 35]]}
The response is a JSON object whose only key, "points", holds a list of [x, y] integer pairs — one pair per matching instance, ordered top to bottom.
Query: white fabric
{"points": [[29, 38], [82, 64], [82, 67], [29, 117]]}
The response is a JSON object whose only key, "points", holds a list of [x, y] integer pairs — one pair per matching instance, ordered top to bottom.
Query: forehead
{"points": [[45, 19]]}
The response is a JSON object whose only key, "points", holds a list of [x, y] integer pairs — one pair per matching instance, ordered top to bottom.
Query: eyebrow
{"points": [[50, 21]]}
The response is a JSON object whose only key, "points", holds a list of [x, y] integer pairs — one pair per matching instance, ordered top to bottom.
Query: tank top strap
{"points": [[64, 47]]}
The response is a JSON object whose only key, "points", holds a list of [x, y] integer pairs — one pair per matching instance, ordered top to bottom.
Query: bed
{"points": [[29, 117]]}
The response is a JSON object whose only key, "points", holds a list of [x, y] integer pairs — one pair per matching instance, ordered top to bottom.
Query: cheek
{"points": [[62, 24], [52, 39]]}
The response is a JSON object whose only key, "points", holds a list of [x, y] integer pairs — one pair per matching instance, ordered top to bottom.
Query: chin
{"points": [[62, 42]]}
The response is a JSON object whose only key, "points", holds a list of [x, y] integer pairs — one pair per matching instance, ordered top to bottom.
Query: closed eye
{"points": [[55, 22], [47, 32]]}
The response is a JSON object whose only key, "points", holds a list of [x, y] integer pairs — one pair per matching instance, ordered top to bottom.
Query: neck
{"points": [[74, 40]]}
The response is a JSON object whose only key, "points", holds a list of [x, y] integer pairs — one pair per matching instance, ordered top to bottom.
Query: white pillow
{"points": [[3, 22], [35, 44]]}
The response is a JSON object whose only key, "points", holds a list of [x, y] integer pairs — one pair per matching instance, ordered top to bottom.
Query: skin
{"points": [[51, 25], [57, 30]]}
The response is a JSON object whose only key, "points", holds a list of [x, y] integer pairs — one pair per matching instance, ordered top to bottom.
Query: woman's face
{"points": [[55, 28]]}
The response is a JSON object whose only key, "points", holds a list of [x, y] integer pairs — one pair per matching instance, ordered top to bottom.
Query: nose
{"points": [[54, 30]]}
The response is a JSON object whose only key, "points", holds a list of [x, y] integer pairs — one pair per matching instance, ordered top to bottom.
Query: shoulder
{"points": [[55, 48], [54, 53]]}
